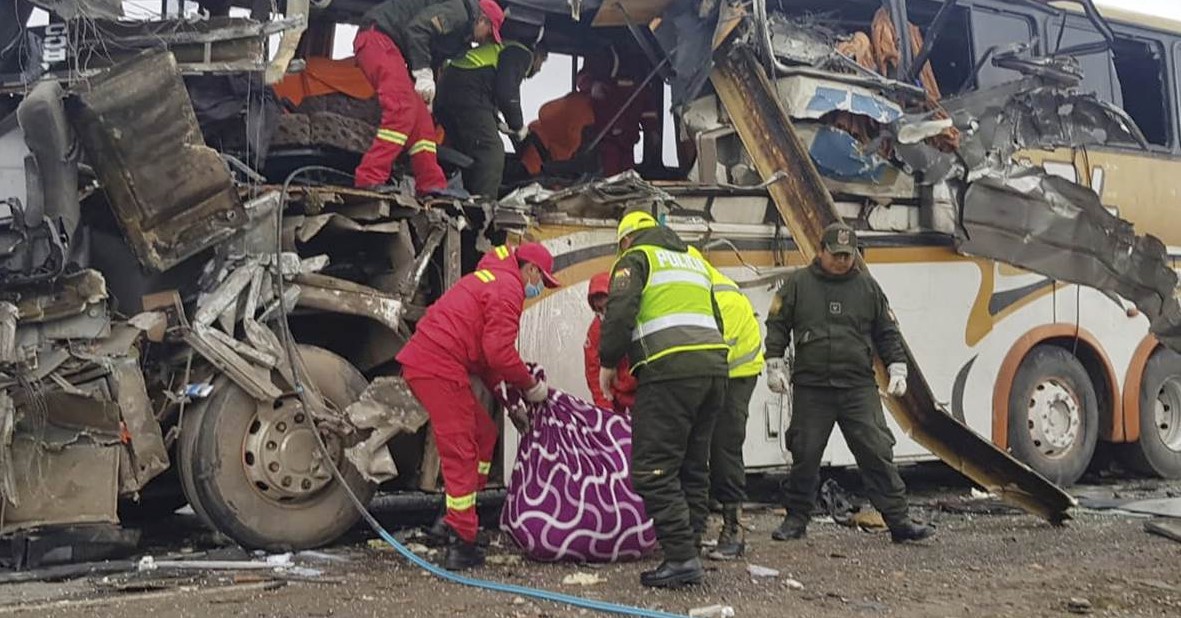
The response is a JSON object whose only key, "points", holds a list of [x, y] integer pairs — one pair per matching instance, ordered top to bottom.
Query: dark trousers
{"points": [[472, 131], [858, 412], [672, 423], [727, 472]]}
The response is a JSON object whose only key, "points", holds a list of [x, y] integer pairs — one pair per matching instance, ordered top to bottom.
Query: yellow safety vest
{"points": [[486, 55], [676, 311], [739, 323]]}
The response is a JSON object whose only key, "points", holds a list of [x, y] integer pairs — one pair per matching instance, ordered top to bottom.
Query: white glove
{"points": [[424, 84], [518, 135], [777, 376], [607, 381], [897, 387], [537, 393]]}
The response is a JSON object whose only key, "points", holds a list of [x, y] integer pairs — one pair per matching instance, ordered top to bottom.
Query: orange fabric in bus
{"points": [[885, 42], [885, 48], [325, 76], [559, 126]]}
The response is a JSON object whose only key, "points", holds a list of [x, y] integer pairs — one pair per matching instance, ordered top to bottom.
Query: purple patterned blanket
{"points": [[569, 496]]}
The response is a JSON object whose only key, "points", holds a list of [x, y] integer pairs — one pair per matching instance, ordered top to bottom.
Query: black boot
{"points": [[791, 528], [911, 530], [440, 534], [731, 541], [462, 555], [674, 574]]}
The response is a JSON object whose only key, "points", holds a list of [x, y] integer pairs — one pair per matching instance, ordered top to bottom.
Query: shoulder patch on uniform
{"points": [[621, 278], [776, 304]]}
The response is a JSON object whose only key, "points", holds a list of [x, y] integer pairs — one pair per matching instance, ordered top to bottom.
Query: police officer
{"points": [[474, 87], [661, 314], [839, 317], [726, 469]]}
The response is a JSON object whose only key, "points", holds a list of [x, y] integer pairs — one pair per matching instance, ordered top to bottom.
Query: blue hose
{"points": [[292, 352], [536, 593]]}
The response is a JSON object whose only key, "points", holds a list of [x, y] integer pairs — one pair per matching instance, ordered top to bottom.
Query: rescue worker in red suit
{"points": [[401, 39], [611, 84], [472, 331], [624, 387]]}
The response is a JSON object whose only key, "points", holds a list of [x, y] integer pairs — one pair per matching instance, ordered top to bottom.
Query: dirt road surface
{"points": [[985, 561]]}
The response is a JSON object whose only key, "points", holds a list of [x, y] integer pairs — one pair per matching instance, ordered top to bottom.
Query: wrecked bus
{"points": [[179, 212], [1045, 368]]}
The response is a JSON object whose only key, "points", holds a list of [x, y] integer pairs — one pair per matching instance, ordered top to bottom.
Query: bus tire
{"points": [[1053, 414], [1158, 451], [247, 470]]}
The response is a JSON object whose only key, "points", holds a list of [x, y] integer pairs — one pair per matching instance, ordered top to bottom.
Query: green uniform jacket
{"points": [[427, 32], [488, 88], [628, 278], [838, 322]]}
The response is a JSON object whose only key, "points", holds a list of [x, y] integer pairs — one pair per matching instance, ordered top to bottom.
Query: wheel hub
{"points": [[1167, 413], [1055, 418], [282, 455]]}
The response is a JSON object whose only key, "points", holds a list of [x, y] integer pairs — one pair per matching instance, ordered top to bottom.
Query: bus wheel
{"points": [[1053, 414], [1159, 449], [254, 471]]}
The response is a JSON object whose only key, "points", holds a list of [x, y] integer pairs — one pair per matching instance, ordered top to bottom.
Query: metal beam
{"points": [[901, 18], [933, 34], [806, 206]]}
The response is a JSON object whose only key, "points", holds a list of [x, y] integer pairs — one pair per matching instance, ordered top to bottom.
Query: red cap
{"points": [[495, 14], [536, 254], [599, 284]]}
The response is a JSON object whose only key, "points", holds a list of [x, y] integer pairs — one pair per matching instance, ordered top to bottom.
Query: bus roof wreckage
{"points": [[109, 171]]}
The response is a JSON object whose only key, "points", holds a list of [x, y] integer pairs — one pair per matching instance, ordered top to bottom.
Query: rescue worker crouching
{"points": [[401, 39], [472, 90], [661, 314], [839, 316], [472, 330], [622, 395], [726, 466]]}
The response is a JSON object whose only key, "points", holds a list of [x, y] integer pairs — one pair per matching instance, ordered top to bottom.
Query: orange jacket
{"points": [[559, 128]]}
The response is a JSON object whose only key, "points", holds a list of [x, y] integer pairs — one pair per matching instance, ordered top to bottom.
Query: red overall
{"points": [[405, 119], [470, 331], [624, 395]]}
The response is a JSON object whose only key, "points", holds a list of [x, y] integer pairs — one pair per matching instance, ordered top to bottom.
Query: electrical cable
{"points": [[297, 385]]}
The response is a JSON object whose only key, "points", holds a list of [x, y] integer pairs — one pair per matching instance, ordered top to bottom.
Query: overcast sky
{"points": [[1166, 8]]}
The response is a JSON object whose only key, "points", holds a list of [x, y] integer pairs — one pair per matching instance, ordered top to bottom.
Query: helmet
{"points": [[634, 222]]}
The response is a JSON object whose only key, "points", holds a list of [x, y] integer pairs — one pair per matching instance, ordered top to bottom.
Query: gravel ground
{"points": [[985, 561]]}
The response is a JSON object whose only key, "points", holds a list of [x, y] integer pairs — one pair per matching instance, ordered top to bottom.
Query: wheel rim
{"points": [[1167, 414], [1055, 418], [281, 455]]}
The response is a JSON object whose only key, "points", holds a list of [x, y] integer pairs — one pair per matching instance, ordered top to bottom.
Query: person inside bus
{"points": [[396, 48], [474, 90], [619, 117], [554, 145], [839, 317]]}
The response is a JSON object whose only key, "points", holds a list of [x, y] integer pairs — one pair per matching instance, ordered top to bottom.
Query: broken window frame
{"points": [[1161, 46], [977, 53], [1170, 77]]}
